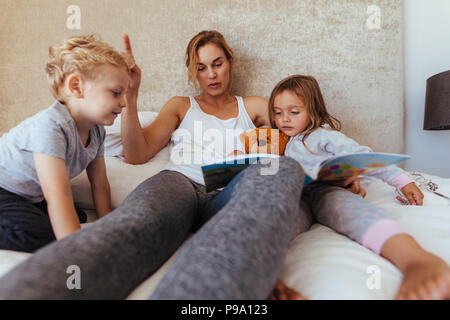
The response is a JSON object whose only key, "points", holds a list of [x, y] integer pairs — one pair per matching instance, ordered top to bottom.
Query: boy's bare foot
{"points": [[428, 279], [283, 292]]}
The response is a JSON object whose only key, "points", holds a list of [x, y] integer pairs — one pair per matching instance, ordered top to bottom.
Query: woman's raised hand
{"points": [[135, 76]]}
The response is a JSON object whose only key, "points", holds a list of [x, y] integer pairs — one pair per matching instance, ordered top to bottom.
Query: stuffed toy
{"points": [[264, 140]]}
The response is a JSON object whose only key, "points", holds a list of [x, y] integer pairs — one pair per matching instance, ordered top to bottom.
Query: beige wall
{"points": [[360, 70]]}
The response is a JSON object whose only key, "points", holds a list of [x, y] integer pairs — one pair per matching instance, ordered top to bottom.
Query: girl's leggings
{"points": [[350, 215], [237, 253]]}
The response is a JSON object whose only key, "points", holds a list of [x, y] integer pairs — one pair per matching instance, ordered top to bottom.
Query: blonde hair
{"points": [[199, 40], [79, 54], [307, 88]]}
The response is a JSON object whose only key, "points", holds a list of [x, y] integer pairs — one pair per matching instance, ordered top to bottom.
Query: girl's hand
{"points": [[135, 76], [352, 184], [413, 194]]}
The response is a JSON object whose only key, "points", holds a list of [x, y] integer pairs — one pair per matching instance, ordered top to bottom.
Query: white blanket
{"points": [[320, 264]]}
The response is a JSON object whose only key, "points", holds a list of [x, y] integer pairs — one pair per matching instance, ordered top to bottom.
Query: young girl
{"points": [[297, 108], [38, 158]]}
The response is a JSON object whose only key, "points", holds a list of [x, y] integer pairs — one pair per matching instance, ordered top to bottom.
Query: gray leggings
{"points": [[237, 253]]}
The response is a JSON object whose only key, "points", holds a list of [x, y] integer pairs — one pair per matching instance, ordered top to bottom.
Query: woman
{"points": [[210, 61], [242, 238]]}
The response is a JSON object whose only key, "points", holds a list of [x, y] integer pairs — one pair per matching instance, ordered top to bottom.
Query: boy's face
{"points": [[104, 94], [290, 113]]}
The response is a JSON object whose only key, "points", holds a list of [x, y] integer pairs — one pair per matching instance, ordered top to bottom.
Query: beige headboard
{"points": [[358, 62]]}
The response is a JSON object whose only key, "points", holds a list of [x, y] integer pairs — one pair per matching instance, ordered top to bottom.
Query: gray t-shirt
{"points": [[52, 132]]}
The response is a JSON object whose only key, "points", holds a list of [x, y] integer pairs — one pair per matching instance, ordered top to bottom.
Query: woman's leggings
{"points": [[237, 253]]}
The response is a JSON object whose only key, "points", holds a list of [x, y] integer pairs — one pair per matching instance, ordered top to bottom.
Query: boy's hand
{"points": [[135, 76], [54, 179], [352, 184], [101, 191], [413, 194]]}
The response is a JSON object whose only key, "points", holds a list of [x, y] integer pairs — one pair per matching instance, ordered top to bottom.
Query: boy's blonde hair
{"points": [[199, 40], [79, 54], [307, 88]]}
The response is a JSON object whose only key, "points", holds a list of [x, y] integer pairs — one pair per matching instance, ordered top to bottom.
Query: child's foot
{"points": [[427, 279], [283, 292]]}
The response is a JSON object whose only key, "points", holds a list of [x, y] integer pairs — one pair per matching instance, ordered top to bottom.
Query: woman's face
{"points": [[213, 69]]}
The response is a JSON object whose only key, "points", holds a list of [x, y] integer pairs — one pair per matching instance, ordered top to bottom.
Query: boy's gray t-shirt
{"points": [[52, 132]]}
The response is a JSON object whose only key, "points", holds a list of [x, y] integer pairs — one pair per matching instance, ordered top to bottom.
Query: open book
{"points": [[353, 165], [219, 174]]}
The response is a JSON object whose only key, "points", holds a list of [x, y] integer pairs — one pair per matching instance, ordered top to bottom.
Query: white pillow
{"points": [[113, 139], [123, 177]]}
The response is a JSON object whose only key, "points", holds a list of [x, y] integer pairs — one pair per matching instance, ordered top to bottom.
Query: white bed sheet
{"points": [[320, 264]]}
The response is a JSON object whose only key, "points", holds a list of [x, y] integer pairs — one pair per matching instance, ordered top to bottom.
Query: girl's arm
{"points": [[336, 143], [393, 175], [55, 184], [101, 192]]}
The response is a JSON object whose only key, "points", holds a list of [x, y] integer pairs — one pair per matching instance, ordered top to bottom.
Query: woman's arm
{"points": [[257, 108], [139, 145], [55, 184], [101, 191]]}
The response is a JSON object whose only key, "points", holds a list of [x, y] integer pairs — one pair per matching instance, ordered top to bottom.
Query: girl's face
{"points": [[213, 69], [104, 96], [290, 113]]}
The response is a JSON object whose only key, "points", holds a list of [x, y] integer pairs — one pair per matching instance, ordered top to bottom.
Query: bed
{"points": [[320, 263]]}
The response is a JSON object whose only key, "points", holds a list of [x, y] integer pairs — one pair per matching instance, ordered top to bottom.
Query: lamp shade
{"points": [[437, 102]]}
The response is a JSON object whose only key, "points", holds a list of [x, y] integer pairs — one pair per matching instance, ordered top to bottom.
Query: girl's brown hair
{"points": [[201, 39], [307, 88]]}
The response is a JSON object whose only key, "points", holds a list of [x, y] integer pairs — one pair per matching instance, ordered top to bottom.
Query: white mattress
{"points": [[321, 264]]}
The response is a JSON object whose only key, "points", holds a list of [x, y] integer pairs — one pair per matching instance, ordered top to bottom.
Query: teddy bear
{"points": [[264, 140]]}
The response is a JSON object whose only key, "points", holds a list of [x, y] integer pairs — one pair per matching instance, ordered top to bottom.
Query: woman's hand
{"points": [[135, 76], [235, 153], [352, 184], [412, 193]]}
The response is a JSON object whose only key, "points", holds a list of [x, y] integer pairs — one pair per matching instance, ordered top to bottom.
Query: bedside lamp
{"points": [[437, 102]]}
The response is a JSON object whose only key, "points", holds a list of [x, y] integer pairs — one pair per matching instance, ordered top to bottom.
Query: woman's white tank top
{"points": [[203, 139]]}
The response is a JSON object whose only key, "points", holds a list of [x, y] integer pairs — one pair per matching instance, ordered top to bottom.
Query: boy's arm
{"points": [[55, 184], [101, 192]]}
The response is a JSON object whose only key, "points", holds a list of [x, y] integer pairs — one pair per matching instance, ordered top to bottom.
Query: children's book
{"points": [[353, 165], [218, 175]]}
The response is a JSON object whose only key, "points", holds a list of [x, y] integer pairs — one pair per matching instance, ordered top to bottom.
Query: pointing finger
{"points": [[126, 41]]}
